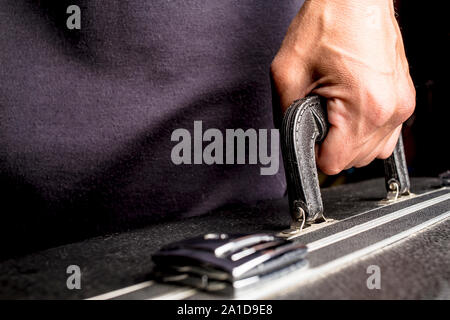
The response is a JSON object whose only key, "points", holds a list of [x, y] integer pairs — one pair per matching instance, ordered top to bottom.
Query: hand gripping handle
{"points": [[304, 125]]}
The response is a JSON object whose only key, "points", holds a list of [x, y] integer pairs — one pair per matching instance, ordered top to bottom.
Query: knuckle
{"points": [[276, 68], [280, 72], [287, 72], [407, 105], [391, 107], [380, 108], [381, 114], [385, 153], [364, 162], [328, 164], [361, 164], [330, 169]]}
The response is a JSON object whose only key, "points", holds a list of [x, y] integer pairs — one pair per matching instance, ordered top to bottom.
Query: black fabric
{"points": [[86, 115]]}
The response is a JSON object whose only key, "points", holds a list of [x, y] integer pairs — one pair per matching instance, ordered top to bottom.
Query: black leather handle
{"points": [[304, 125], [396, 171]]}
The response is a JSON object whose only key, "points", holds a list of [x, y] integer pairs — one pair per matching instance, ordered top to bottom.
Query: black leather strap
{"points": [[304, 125], [396, 171]]}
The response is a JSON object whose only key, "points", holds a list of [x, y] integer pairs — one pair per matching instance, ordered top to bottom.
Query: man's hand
{"points": [[350, 52]]}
